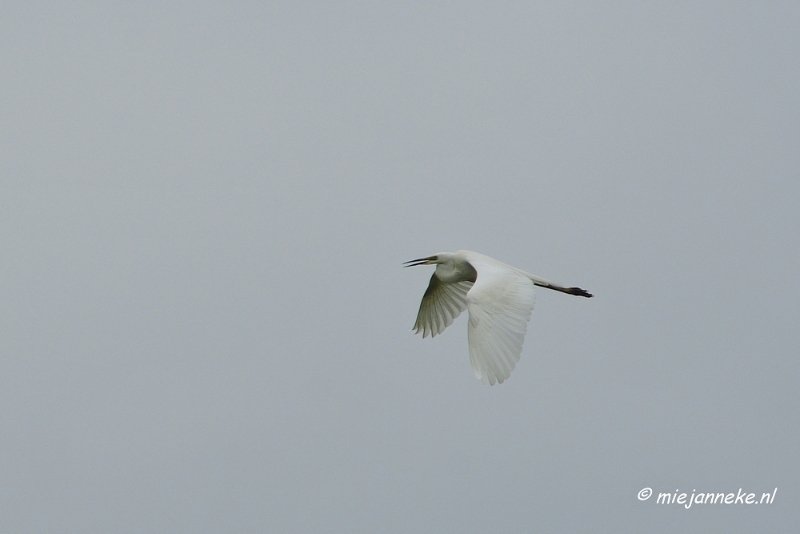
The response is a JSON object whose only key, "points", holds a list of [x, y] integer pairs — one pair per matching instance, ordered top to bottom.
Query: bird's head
{"points": [[436, 259], [430, 260], [448, 269]]}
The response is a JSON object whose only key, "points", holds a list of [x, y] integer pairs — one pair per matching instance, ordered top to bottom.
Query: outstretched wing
{"points": [[441, 304], [500, 305]]}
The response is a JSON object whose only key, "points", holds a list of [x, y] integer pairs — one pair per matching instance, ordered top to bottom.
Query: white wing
{"points": [[441, 304], [500, 304]]}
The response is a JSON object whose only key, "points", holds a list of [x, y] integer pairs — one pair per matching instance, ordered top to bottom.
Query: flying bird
{"points": [[499, 299]]}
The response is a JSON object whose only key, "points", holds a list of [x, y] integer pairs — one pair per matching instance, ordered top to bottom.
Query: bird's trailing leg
{"points": [[578, 292]]}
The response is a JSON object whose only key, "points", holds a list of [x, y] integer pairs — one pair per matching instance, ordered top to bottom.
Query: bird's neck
{"points": [[450, 273]]}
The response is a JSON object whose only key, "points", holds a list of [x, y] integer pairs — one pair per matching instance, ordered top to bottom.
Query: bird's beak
{"points": [[430, 260]]}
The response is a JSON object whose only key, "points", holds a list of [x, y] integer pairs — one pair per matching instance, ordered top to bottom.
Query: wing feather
{"points": [[441, 304], [500, 304]]}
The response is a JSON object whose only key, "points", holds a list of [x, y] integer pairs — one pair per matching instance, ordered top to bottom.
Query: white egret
{"points": [[499, 299]]}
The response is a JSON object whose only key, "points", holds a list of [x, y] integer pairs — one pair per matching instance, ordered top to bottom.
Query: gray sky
{"points": [[205, 322]]}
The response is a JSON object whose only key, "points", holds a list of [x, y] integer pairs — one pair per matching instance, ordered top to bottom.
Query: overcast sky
{"points": [[205, 324]]}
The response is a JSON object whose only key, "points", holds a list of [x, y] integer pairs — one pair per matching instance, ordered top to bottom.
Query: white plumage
{"points": [[499, 299]]}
